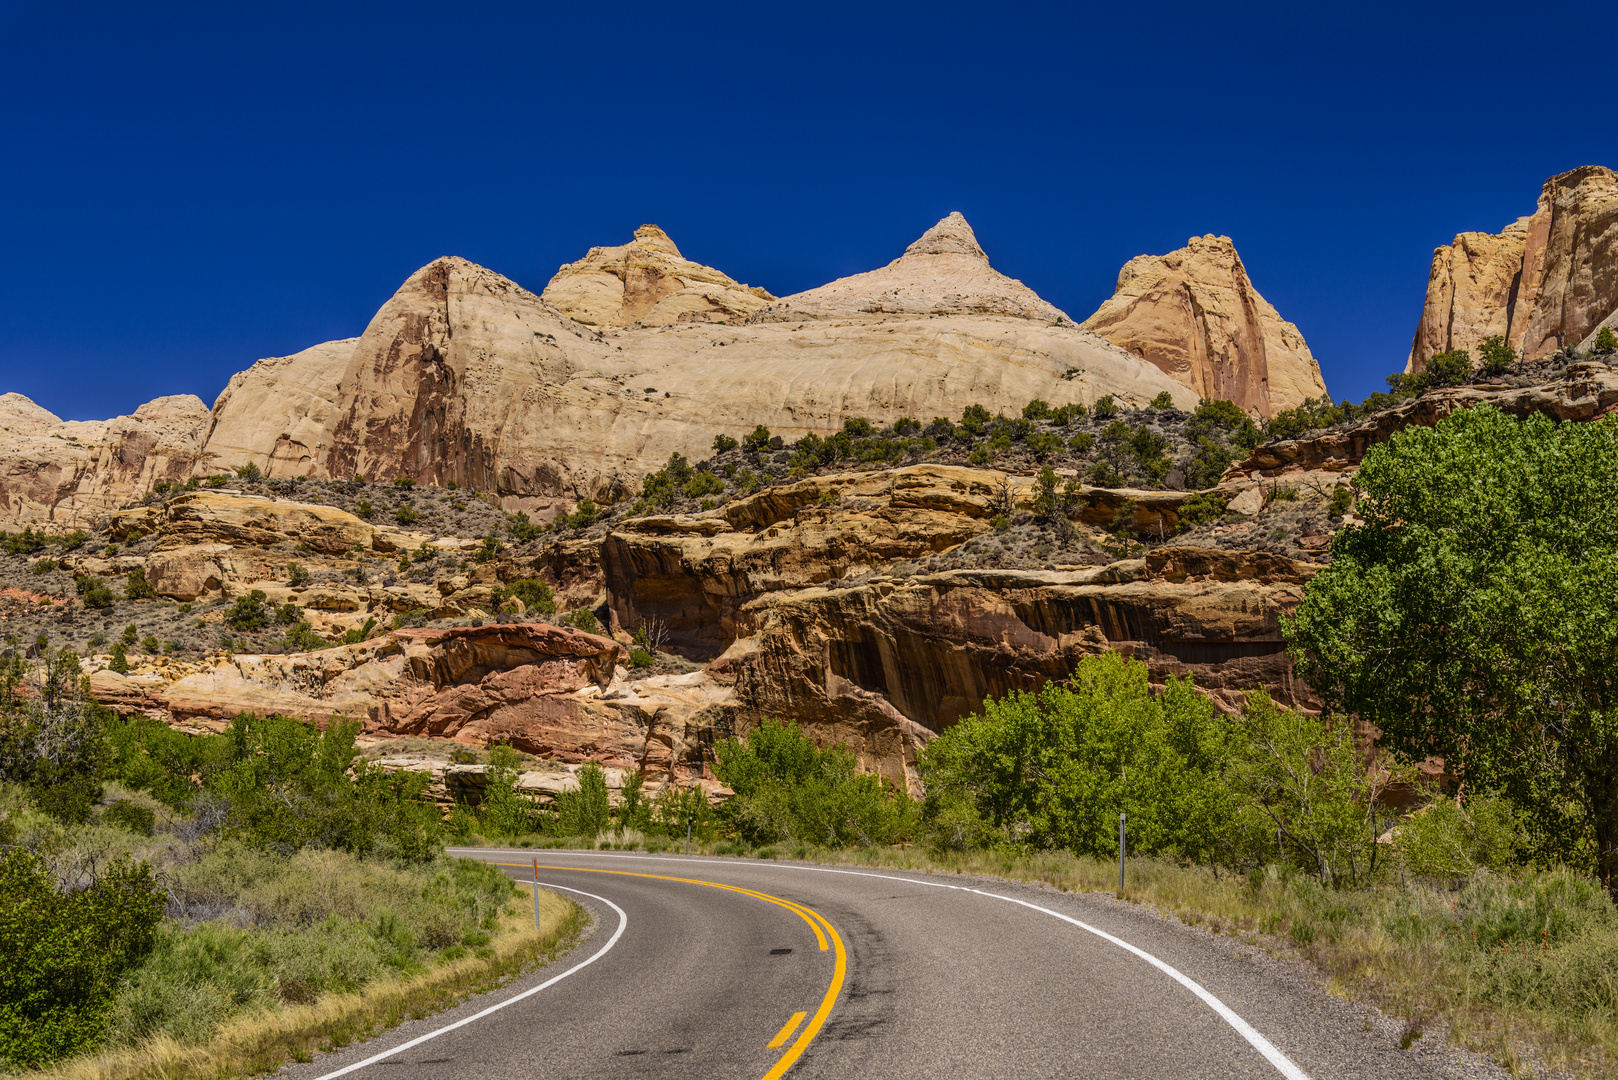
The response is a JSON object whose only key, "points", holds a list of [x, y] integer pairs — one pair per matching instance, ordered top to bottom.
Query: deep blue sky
{"points": [[186, 189]]}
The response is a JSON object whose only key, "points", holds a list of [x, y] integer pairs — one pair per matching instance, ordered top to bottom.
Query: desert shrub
{"points": [[1606, 341], [1496, 356], [1449, 368], [1164, 400], [1105, 408], [1036, 410], [756, 440], [1082, 443], [724, 444], [1043, 444], [1206, 466], [250, 471], [217, 481], [404, 481], [703, 483], [1341, 500], [1201, 509], [363, 510], [405, 514], [522, 530], [72, 541], [27, 542], [45, 566], [297, 574], [136, 587], [93, 592], [537, 597], [249, 612], [288, 613], [412, 617], [584, 619], [130, 634], [356, 634], [301, 637], [151, 645], [119, 658], [641, 658], [52, 736], [1054, 769], [290, 785], [787, 788], [505, 810], [584, 810], [130, 816], [1448, 838], [320, 922], [64, 953]]}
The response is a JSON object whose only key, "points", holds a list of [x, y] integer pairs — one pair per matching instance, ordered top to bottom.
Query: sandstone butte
{"points": [[1547, 281], [1195, 314], [630, 354]]}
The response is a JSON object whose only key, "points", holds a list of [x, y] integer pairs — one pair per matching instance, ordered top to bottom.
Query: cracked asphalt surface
{"points": [[940, 982]]}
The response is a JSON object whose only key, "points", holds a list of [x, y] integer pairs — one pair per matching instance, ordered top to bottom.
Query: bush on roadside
{"points": [[787, 788], [63, 954]]}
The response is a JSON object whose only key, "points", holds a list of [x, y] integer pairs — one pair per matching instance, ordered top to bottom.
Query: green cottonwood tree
{"points": [[1474, 614]]}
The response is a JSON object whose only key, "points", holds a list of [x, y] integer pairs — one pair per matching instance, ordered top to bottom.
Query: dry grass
{"points": [[262, 1041]]}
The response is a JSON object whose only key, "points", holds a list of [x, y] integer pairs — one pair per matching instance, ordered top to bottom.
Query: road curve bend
{"points": [[718, 968]]}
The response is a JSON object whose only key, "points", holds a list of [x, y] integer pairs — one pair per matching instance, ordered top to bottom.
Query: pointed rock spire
{"points": [[951, 236], [945, 272], [648, 281]]}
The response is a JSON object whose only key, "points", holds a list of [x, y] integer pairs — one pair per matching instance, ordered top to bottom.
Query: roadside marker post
{"points": [[688, 834], [1120, 854], [536, 892]]}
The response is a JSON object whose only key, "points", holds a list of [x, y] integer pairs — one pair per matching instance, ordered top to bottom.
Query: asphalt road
{"points": [[896, 976]]}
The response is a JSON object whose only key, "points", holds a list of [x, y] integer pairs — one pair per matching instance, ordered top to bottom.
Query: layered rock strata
{"points": [[1544, 283], [1195, 314], [1585, 391], [72, 474]]}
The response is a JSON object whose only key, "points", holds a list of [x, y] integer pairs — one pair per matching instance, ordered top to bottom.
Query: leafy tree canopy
{"points": [[1474, 615]]}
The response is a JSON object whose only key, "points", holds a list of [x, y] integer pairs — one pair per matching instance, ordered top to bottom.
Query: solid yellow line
{"points": [[815, 920], [786, 1031]]}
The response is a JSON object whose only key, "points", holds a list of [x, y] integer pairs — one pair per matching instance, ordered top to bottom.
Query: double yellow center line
{"points": [[825, 934]]}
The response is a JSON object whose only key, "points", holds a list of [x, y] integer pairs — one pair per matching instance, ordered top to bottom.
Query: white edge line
{"points": [[623, 921], [1283, 1064]]}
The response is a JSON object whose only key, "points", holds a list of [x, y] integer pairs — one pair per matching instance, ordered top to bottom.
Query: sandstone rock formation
{"points": [[945, 272], [649, 282], [1544, 283], [1196, 315], [465, 376], [1586, 391], [278, 413], [68, 475], [696, 575], [887, 663], [549, 690]]}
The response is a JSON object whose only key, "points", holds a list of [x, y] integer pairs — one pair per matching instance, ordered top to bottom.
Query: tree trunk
{"points": [[1603, 791]]}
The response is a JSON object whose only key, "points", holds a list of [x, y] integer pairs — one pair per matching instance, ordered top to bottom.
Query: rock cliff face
{"points": [[648, 282], [1545, 282], [1195, 314], [465, 376], [1586, 391], [278, 413], [72, 474]]}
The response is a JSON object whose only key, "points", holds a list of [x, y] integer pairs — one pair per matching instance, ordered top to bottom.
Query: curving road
{"points": [[734, 968]]}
